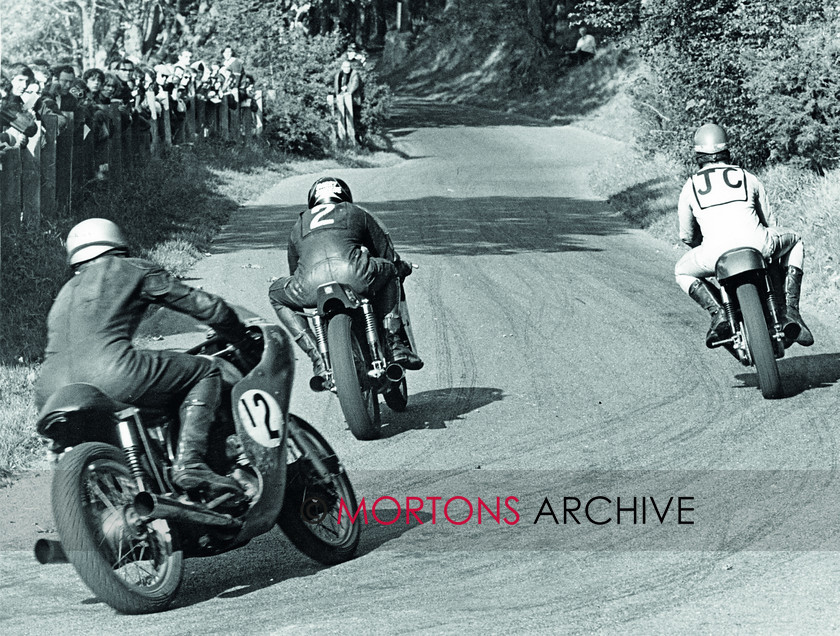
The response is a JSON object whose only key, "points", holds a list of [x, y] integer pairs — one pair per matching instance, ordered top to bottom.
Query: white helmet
{"points": [[710, 139], [92, 238]]}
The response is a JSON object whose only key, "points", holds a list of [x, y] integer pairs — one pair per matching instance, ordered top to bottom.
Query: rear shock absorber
{"points": [[776, 304], [729, 310], [373, 336], [321, 339], [128, 418]]}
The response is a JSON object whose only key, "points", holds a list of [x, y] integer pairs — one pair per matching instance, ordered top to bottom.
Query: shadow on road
{"points": [[409, 114], [456, 226], [802, 373], [433, 409], [269, 560]]}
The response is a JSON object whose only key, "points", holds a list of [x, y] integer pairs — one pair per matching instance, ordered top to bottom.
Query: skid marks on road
{"points": [[453, 359]]}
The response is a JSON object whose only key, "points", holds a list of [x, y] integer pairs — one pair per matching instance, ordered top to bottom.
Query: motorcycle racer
{"points": [[723, 207], [335, 240], [90, 329]]}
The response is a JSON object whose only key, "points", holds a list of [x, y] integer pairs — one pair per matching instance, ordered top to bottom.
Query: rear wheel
{"points": [[759, 342], [356, 394], [316, 498], [134, 566]]}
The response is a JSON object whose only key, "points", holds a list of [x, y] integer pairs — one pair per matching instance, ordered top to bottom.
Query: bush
{"points": [[765, 71]]}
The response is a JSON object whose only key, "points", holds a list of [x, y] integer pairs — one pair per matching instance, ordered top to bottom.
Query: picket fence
{"points": [[40, 179]]}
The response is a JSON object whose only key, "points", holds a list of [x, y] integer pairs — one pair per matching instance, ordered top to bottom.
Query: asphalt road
{"points": [[563, 364]]}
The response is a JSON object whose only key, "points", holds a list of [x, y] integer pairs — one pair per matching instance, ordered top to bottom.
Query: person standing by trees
{"points": [[585, 48], [348, 91]]}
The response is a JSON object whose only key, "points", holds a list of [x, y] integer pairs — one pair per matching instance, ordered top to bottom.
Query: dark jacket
{"points": [[350, 83], [326, 244], [96, 314]]}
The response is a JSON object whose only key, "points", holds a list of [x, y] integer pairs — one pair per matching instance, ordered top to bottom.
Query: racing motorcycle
{"points": [[752, 295], [351, 342], [124, 526]]}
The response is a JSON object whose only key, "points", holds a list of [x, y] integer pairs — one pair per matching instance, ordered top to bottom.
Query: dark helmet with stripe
{"points": [[328, 190]]}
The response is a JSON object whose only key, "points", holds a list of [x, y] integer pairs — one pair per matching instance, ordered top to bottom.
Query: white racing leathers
{"points": [[723, 207]]}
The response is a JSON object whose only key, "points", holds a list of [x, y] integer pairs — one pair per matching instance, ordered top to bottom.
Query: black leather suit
{"points": [[336, 242], [94, 318]]}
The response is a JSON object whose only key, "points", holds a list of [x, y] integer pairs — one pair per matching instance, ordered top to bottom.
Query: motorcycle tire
{"points": [[759, 342], [396, 397], [358, 398], [313, 503], [133, 573]]}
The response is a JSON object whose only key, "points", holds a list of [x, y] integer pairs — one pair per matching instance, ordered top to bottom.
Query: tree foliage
{"points": [[88, 32], [766, 71]]}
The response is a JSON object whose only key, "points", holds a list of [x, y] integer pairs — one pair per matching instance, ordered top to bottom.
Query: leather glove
{"points": [[403, 269], [250, 348]]}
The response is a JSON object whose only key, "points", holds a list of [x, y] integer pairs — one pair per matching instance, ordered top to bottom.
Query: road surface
{"points": [[563, 365]]}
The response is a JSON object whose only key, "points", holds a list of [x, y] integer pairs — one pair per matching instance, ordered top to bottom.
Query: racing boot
{"points": [[793, 287], [702, 293], [305, 339], [399, 350], [190, 472]]}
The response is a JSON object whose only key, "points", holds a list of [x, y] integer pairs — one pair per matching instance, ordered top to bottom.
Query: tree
{"points": [[90, 31]]}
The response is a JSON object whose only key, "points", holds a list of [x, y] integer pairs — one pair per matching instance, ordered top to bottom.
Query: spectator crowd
{"points": [[128, 90], [130, 96]]}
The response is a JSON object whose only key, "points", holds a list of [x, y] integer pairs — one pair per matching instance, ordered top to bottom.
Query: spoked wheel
{"points": [[759, 342], [356, 393], [396, 397], [318, 492], [134, 566]]}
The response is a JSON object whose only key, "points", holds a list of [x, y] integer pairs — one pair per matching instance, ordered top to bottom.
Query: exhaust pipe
{"points": [[394, 372], [318, 383], [150, 506], [49, 551]]}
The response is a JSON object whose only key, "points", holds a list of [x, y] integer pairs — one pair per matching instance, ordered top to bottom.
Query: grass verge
{"points": [[646, 189], [170, 211]]}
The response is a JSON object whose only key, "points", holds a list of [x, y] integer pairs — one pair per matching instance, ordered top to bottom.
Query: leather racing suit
{"points": [[340, 242], [90, 329]]}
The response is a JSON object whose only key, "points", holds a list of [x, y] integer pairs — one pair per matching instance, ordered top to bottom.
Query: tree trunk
{"points": [[88, 14], [347, 19], [405, 22], [153, 25], [379, 26]]}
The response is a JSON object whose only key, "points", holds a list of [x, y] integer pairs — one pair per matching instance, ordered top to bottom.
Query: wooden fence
{"points": [[39, 179]]}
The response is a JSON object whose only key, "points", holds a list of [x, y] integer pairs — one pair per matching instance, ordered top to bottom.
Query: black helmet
{"points": [[328, 190]]}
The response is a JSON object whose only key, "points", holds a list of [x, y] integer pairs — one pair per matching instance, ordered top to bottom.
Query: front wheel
{"points": [[759, 342], [357, 396], [319, 498], [134, 566]]}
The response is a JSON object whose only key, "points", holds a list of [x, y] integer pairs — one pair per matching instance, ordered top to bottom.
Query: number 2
{"points": [[318, 219]]}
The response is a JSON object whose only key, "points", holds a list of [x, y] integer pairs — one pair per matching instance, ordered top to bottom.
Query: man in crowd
{"points": [[348, 87]]}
